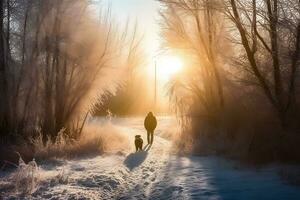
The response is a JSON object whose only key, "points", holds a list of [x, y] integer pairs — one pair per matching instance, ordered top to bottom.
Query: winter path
{"points": [[156, 174]]}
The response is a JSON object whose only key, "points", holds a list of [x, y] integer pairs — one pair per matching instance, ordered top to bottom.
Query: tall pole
{"points": [[155, 85]]}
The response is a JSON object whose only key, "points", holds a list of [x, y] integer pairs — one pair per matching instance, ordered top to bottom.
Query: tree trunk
{"points": [[4, 106]]}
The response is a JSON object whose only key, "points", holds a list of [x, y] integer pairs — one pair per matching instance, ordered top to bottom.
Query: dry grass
{"points": [[240, 133], [95, 140], [66, 148], [26, 177]]}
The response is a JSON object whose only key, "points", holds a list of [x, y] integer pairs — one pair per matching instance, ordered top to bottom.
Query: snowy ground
{"points": [[154, 174]]}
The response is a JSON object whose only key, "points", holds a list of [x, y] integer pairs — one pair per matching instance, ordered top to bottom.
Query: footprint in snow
{"points": [[152, 170], [146, 176]]}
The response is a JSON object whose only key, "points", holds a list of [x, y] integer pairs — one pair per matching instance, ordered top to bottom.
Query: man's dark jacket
{"points": [[150, 123]]}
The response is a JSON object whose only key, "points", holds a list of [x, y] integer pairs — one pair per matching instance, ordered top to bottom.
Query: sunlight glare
{"points": [[167, 66]]}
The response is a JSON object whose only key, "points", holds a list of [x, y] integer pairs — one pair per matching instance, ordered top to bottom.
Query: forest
{"points": [[220, 82], [238, 94]]}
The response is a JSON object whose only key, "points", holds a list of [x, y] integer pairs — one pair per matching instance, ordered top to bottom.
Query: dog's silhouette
{"points": [[138, 143]]}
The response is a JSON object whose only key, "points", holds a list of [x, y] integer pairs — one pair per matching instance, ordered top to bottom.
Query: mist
{"points": [[58, 62], [238, 95], [152, 99]]}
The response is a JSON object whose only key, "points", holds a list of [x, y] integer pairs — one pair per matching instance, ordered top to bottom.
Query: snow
{"points": [[155, 173]]}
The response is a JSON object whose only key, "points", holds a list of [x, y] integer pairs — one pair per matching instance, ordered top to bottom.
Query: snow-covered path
{"points": [[157, 174], [122, 175]]}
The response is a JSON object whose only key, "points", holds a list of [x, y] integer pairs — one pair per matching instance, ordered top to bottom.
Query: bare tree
{"points": [[195, 28], [270, 33], [56, 62], [4, 107]]}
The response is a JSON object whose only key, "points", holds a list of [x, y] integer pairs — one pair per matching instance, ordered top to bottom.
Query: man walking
{"points": [[150, 125]]}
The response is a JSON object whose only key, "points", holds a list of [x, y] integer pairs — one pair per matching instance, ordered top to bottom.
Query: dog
{"points": [[138, 143]]}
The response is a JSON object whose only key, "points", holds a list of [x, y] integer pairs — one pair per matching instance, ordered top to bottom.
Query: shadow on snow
{"points": [[134, 160], [215, 178]]}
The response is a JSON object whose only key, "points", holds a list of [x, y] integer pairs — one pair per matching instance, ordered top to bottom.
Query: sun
{"points": [[167, 66]]}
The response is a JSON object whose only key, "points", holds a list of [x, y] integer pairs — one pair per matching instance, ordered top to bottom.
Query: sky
{"points": [[145, 13]]}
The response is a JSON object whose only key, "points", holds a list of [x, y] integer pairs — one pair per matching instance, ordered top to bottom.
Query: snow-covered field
{"points": [[155, 173]]}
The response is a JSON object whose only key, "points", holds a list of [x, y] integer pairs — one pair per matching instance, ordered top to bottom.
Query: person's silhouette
{"points": [[150, 125]]}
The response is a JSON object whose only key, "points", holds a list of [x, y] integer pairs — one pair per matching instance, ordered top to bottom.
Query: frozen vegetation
{"points": [[155, 173]]}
